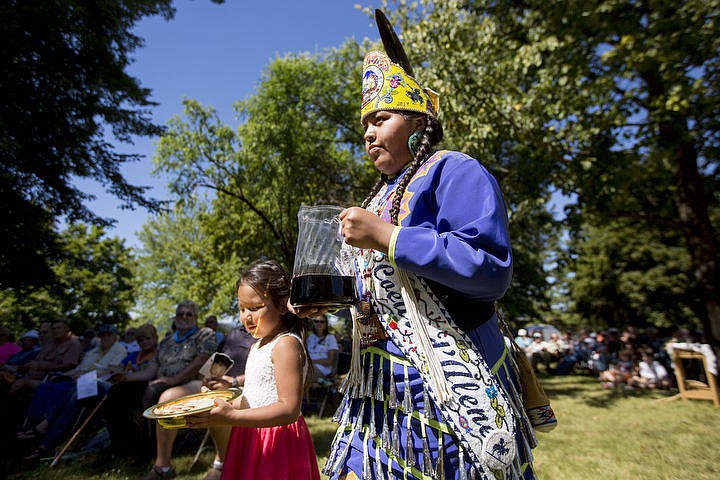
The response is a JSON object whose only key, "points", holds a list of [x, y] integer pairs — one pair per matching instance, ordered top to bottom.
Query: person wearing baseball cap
{"points": [[522, 340], [30, 347]]}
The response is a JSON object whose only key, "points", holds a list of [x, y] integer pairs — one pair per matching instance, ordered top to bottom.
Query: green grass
{"points": [[602, 434], [606, 434]]}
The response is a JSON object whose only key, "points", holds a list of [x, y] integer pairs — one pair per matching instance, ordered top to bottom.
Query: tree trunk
{"points": [[691, 202], [692, 206]]}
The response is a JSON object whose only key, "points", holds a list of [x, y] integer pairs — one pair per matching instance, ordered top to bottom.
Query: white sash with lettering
{"points": [[468, 394]]}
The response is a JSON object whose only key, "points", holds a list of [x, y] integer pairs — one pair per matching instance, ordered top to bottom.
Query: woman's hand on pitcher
{"points": [[363, 229]]}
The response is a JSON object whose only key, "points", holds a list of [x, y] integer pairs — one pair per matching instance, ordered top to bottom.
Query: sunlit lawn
{"points": [[602, 434]]}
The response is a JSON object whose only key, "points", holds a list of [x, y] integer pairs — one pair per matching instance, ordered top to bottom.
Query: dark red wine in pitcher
{"points": [[323, 290]]}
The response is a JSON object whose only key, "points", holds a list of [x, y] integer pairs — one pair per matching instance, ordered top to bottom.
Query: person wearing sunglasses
{"points": [[322, 348]]}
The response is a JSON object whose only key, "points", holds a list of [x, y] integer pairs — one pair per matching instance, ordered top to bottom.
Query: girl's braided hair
{"points": [[431, 136]]}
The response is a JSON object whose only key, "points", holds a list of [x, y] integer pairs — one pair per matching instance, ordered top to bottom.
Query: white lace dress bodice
{"points": [[260, 387]]}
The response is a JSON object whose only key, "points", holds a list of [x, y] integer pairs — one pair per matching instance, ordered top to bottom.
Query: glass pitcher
{"points": [[323, 274]]}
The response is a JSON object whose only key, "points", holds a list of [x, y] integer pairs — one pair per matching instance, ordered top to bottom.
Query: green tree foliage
{"points": [[65, 93], [614, 102], [299, 142], [532, 233], [177, 262], [625, 276], [94, 284]]}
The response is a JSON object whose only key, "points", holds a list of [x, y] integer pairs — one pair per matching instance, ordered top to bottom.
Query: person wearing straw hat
{"points": [[432, 389]]}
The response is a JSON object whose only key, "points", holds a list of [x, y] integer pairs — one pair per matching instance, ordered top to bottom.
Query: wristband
{"points": [[234, 383]]}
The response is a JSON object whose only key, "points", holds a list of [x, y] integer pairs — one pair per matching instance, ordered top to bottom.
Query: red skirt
{"points": [[277, 453]]}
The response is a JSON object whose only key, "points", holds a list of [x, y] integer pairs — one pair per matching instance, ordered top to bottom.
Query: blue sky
{"points": [[216, 54]]}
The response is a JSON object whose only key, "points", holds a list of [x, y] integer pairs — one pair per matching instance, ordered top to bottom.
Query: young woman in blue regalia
{"points": [[432, 390]]}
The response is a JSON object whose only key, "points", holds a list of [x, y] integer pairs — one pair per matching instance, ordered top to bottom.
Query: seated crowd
{"points": [[619, 359], [41, 374]]}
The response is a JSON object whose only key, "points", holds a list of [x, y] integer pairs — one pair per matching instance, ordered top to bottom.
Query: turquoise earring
{"points": [[414, 142]]}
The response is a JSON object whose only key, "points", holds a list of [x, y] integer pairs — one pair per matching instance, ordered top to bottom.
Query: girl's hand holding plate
{"points": [[215, 416]]}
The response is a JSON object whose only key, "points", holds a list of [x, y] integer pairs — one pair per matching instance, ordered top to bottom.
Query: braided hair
{"points": [[431, 136]]}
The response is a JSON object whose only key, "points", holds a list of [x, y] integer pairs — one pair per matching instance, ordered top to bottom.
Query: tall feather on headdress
{"points": [[391, 42], [388, 78]]}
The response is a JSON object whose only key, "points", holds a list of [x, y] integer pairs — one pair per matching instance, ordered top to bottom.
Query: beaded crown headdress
{"points": [[388, 82]]}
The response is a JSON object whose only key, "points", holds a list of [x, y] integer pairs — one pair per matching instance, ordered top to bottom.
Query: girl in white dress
{"points": [[270, 438]]}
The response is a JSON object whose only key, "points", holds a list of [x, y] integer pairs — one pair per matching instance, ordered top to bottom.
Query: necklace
{"points": [[368, 324], [179, 339]]}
